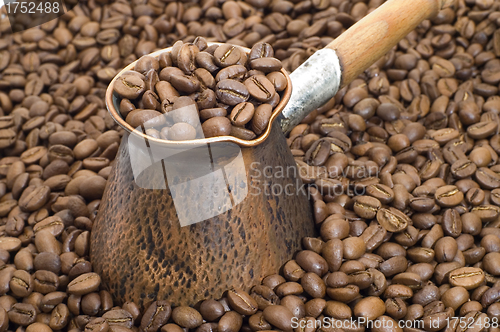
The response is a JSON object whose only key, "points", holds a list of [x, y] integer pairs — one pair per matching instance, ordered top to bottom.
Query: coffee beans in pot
{"points": [[230, 83]]}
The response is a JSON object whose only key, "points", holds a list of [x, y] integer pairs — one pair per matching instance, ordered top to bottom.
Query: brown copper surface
{"points": [[142, 253]]}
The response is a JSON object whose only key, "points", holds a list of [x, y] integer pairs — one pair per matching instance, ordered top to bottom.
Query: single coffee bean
{"points": [[260, 50], [227, 55], [186, 58], [207, 61], [146, 63], [266, 64], [236, 72], [205, 77], [278, 79], [184, 83], [129, 86], [260, 88], [166, 91], [231, 92], [208, 113], [242, 114], [146, 118], [261, 118], [216, 126], [482, 130], [181, 131], [242, 133], [463, 168], [448, 196], [33, 198], [366, 207], [392, 219], [452, 223], [312, 262], [467, 277], [45, 282], [21, 283], [84, 284], [242, 302], [369, 308], [211, 310], [155, 316], [279, 316], [187, 317], [119, 318], [231, 321], [98, 324]]}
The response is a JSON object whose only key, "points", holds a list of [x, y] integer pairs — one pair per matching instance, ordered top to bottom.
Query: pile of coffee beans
{"points": [[231, 92], [402, 170]]}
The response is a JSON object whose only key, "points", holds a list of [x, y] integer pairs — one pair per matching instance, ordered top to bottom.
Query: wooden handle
{"points": [[373, 36]]}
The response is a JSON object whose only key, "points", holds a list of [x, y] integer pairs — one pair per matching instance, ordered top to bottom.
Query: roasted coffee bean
{"points": [[261, 50], [227, 55], [186, 58], [206, 60], [266, 64], [236, 72], [184, 83], [129, 86], [260, 88], [231, 92], [242, 114], [146, 118], [261, 118], [216, 126], [181, 131], [463, 168], [487, 178], [448, 196], [34, 198], [366, 207], [392, 219], [312, 262], [467, 277], [21, 283], [84, 284], [264, 296], [242, 302], [369, 307], [211, 310], [22, 314], [155, 316], [279, 316], [187, 317], [119, 318], [231, 321], [98, 324]]}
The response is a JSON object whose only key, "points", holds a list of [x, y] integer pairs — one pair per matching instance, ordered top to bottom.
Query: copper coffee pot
{"points": [[158, 236]]}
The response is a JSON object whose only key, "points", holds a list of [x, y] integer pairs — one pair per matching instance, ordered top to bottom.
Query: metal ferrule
{"points": [[313, 83]]}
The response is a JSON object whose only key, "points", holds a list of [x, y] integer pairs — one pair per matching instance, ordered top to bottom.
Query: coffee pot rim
{"points": [[111, 98]]}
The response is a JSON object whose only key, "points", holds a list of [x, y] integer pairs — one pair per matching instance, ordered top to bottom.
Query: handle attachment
{"points": [[320, 77]]}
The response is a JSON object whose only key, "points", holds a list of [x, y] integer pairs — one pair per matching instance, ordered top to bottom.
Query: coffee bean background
{"points": [[401, 166]]}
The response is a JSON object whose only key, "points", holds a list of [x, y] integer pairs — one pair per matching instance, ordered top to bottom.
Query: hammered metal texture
{"points": [[142, 253]]}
